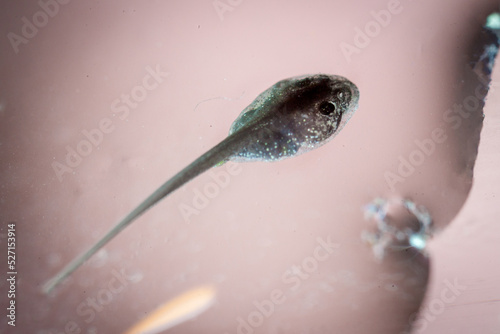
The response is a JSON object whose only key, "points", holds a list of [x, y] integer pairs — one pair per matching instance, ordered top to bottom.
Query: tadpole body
{"points": [[292, 117]]}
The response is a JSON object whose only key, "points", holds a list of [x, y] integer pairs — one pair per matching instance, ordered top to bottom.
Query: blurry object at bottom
{"points": [[176, 311]]}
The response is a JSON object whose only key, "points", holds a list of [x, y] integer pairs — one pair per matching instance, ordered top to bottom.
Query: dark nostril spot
{"points": [[327, 108]]}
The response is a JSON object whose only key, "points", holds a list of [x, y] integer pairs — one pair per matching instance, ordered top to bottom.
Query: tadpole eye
{"points": [[327, 108]]}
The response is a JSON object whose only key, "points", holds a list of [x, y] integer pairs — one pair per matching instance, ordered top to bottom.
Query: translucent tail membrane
{"points": [[210, 159]]}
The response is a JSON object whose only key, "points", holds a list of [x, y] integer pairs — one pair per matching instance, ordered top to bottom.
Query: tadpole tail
{"points": [[220, 153]]}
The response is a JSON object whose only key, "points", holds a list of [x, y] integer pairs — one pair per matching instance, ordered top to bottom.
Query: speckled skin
{"points": [[293, 116], [287, 119]]}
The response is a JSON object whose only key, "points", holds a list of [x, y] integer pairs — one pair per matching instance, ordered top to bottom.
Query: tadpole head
{"points": [[317, 107], [296, 115]]}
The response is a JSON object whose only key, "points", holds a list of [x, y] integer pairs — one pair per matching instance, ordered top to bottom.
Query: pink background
{"points": [[269, 216]]}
